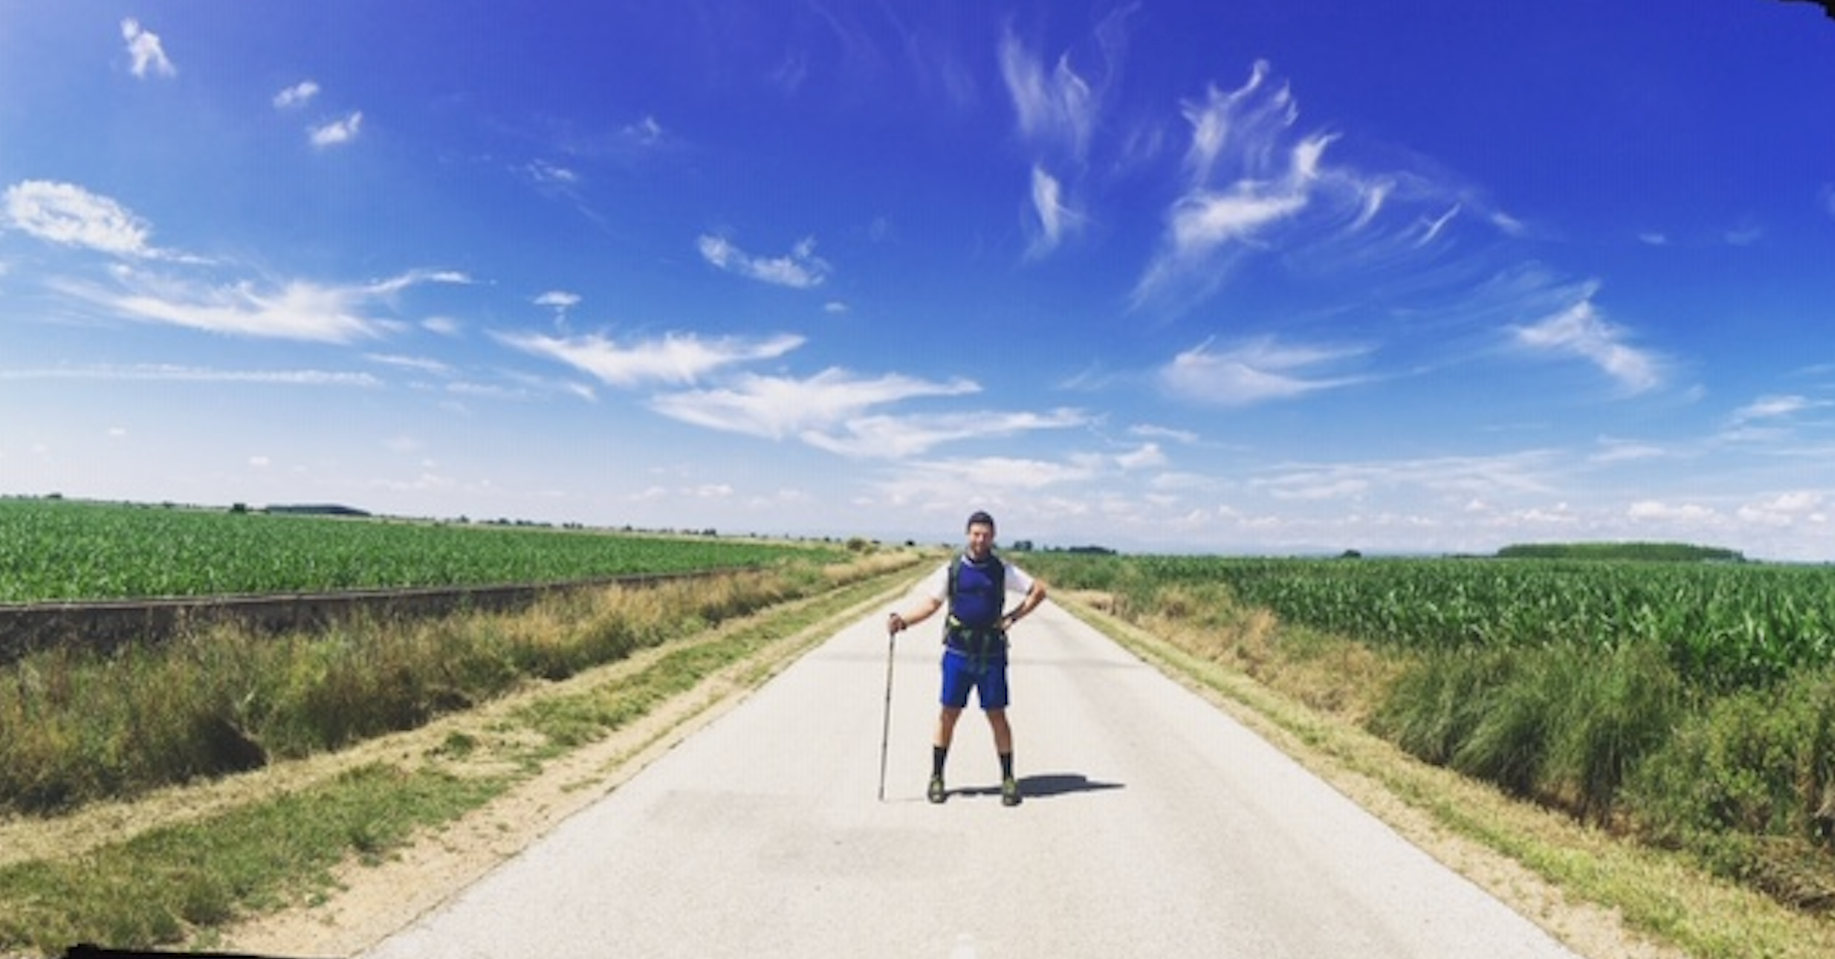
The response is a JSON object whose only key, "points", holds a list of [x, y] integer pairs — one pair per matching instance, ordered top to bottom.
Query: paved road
{"points": [[1154, 826]]}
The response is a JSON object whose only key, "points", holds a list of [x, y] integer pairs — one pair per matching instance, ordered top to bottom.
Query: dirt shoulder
{"points": [[373, 901]]}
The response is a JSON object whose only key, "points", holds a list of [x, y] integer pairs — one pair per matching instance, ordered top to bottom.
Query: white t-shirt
{"points": [[936, 585]]}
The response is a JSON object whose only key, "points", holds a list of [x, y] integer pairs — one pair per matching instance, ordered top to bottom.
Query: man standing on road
{"points": [[974, 585]]}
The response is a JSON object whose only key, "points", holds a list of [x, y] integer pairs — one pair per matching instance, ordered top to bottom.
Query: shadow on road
{"points": [[1044, 786]]}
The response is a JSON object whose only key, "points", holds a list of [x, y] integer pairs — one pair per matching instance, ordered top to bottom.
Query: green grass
{"points": [[70, 550], [1722, 626], [1684, 709], [76, 727], [177, 883], [155, 888], [1653, 890]]}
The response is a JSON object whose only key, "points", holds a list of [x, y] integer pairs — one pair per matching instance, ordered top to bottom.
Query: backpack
{"points": [[977, 597]]}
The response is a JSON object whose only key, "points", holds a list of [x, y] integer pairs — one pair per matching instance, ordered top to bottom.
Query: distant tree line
{"points": [[1649, 552]]}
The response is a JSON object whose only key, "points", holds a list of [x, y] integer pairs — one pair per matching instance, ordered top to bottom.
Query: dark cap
{"points": [[980, 516]]}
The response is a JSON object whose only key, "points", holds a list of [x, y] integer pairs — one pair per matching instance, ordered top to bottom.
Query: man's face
{"points": [[980, 539]]}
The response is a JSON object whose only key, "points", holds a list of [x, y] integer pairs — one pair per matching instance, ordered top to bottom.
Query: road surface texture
{"points": [[1153, 825]]}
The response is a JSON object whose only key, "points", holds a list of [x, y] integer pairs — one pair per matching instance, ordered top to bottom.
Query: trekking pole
{"points": [[885, 731]]}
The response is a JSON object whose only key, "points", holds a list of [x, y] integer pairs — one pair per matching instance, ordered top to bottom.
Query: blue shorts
{"points": [[988, 677]]}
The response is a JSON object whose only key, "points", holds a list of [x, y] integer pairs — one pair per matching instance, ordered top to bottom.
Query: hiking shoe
{"points": [[1009, 791], [936, 793]]}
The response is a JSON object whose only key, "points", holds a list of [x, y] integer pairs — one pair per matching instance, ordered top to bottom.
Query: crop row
{"points": [[56, 550], [1722, 626]]}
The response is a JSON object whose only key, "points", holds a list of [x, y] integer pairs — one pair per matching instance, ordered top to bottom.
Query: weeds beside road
{"points": [[1314, 695], [212, 856]]}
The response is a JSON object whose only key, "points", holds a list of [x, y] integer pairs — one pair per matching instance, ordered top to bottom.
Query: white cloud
{"points": [[144, 47], [297, 95], [1056, 108], [337, 132], [645, 133], [546, 174], [1241, 180], [1258, 193], [67, 214], [1055, 217], [1204, 220], [1507, 224], [800, 269], [396, 284], [558, 300], [296, 310], [1580, 331], [676, 358], [417, 364], [1252, 372], [169, 373], [777, 407], [1774, 407], [1163, 432], [896, 437], [1620, 451], [1148, 455], [1450, 477], [1327, 489], [1785, 510], [1661, 512]]}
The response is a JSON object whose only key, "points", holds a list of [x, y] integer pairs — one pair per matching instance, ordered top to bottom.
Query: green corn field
{"points": [[58, 550], [1722, 625]]}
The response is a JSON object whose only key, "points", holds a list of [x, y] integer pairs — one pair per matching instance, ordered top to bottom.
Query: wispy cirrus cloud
{"points": [[144, 48], [1054, 106], [1057, 111], [1242, 178], [1257, 188], [1055, 218], [800, 268], [300, 310], [1579, 330], [676, 358], [1254, 371], [170, 373], [776, 407], [1774, 407], [1775, 419], [900, 436], [1523, 472]]}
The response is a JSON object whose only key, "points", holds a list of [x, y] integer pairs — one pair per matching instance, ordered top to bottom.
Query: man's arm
{"points": [[1027, 604], [919, 611]]}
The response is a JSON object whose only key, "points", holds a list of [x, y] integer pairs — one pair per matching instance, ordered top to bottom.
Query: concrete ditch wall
{"points": [[104, 626]]}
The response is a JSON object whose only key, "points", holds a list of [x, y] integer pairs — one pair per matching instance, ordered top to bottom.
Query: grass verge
{"points": [[183, 881], [1659, 895]]}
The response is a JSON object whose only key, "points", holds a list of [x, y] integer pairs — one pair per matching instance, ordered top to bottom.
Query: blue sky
{"points": [[1219, 277]]}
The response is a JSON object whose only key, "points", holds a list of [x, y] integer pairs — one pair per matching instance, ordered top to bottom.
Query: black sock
{"points": [[937, 755], [1006, 765]]}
